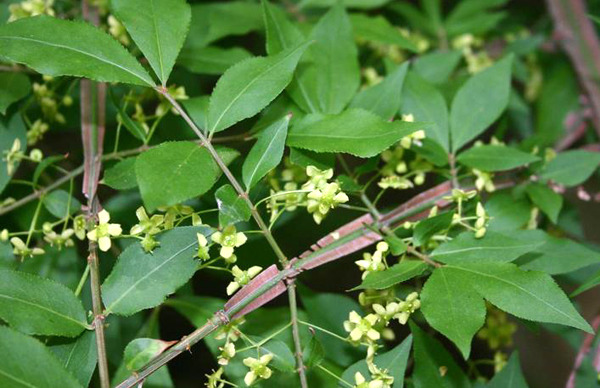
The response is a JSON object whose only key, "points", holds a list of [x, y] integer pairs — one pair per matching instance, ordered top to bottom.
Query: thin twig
{"points": [[261, 224]]}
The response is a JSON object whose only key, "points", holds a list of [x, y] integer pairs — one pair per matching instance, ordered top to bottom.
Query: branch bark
{"points": [[578, 38]]}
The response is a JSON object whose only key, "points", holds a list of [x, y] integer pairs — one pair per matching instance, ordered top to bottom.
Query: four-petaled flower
{"points": [[147, 225], [104, 231], [229, 239], [21, 249], [241, 278], [362, 328], [258, 368]]}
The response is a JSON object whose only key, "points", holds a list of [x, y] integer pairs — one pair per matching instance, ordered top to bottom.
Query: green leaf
{"points": [[359, 4], [213, 21], [158, 28], [378, 29], [282, 34], [79, 49], [211, 60], [436, 67], [330, 77], [15, 86], [246, 88], [383, 99], [479, 102], [426, 104], [197, 108], [134, 127], [9, 131], [353, 131], [266, 154], [305, 158], [495, 158], [571, 168], [168, 173], [121, 176], [546, 199], [60, 203], [232, 207], [507, 212], [427, 228], [397, 246], [493, 247], [558, 255], [401, 272], [141, 280], [590, 283], [529, 295], [35, 305], [455, 310], [140, 351], [313, 353], [78, 356], [283, 358], [430, 358], [394, 361], [46, 370], [510, 376]]}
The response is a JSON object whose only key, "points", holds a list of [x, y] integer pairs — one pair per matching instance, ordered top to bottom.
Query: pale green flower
{"points": [[116, 29], [13, 156], [316, 177], [484, 181], [395, 182], [323, 199], [147, 225], [79, 226], [104, 231], [229, 239], [60, 240], [202, 247], [21, 249], [241, 278], [362, 328], [227, 353], [258, 368], [215, 380]]}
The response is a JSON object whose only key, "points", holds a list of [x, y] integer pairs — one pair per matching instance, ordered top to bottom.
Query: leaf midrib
{"points": [[77, 51], [264, 154], [43, 308]]}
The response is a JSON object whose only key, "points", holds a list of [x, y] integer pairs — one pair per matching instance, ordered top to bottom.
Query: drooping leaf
{"points": [[213, 21], [158, 27], [378, 29], [79, 49], [211, 60], [436, 67], [330, 77], [15, 86], [246, 88], [383, 99], [479, 102], [426, 104], [9, 131], [353, 131], [266, 154], [495, 158], [571, 168], [168, 174], [121, 176], [546, 199], [60, 203], [232, 207], [427, 228], [493, 247], [557, 255], [401, 272], [141, 280], [529, 295], [35, 305], [454, 310], [141, 350], [24, 351], [313, 353], [78, 356], [394, 361], [434, 366], [510, 376]]}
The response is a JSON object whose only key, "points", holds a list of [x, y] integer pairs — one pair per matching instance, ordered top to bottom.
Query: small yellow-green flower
{"points": [[29, 8], [116, 29], [13, 156], [317, 178], [484, 181], [395, 182], [323, 199], [480, 223], [147, 225], [79, 226], [104, 231], [4, 235], [229, 239], [60, 240], [202, 247], [21, 249], [373, 262], [241, 278], [407, 307], [362, 328], [227, 353], [258, 368], [215, 380]]}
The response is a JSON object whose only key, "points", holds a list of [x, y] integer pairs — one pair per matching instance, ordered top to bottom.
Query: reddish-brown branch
{"points": [[584, 350]]}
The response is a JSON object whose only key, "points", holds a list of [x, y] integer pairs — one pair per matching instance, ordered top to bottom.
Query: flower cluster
{"points": [[30, 8], [469, 46], [325, 195]]}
